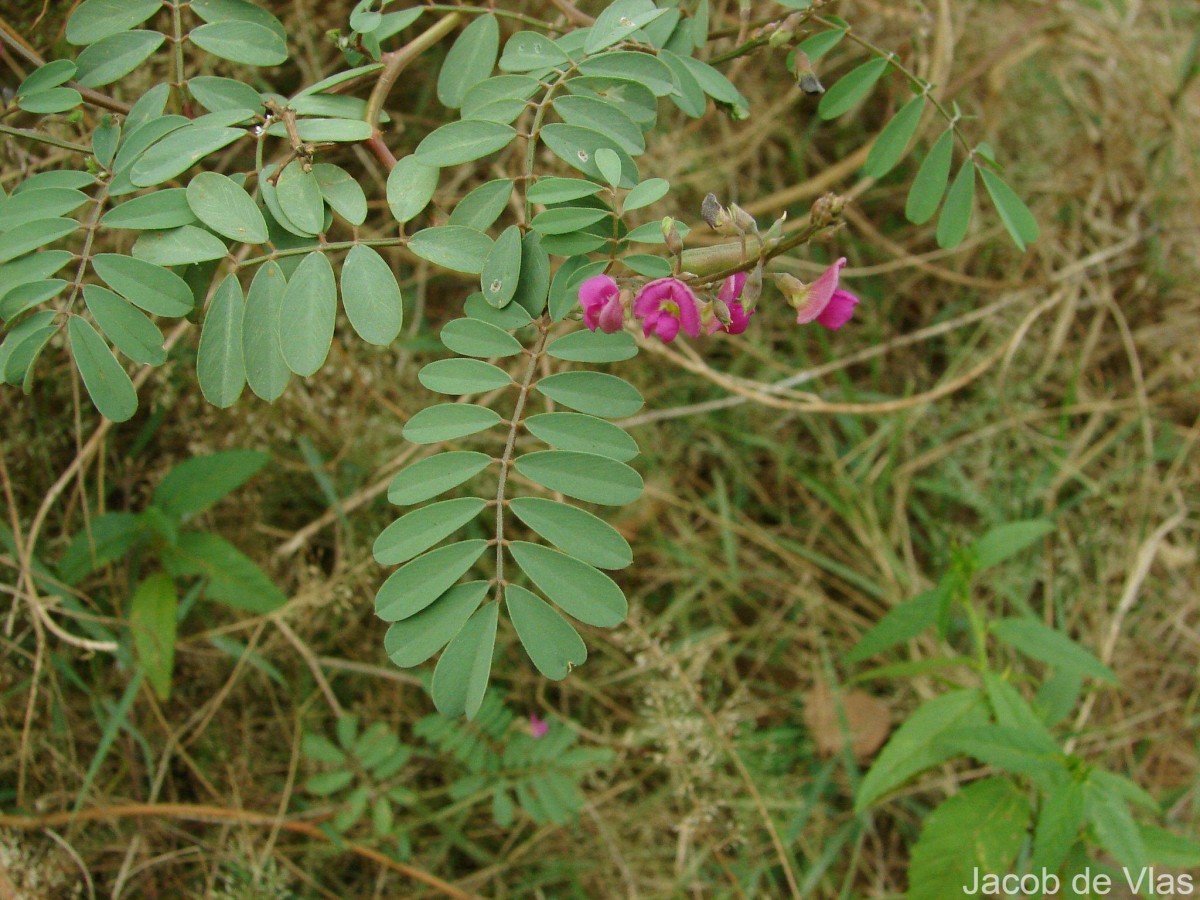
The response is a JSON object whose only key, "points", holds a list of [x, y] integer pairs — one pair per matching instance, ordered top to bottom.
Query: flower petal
{"points": [[731, 288], [596, 290], [651, 295], [689, 308], [838, 311], [612, 316], [739, 319], [666, 328]]}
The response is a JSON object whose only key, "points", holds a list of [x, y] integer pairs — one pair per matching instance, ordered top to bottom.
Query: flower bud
{"points": [[806, 78], [827, 209], [712, 212], [742, 220], [671, 233], [752, 289], [793, 289], [721, 310]]}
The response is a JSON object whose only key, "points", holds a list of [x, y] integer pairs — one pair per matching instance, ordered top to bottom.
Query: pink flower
{"points": [[731, 288], [730, 294], [822, 301], [601, 302], [665, 306], [538, 727]]}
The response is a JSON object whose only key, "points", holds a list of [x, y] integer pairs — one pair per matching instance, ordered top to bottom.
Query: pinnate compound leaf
{"points": [[95, 20], [241, 42], [116, 56], [470, 60], [851, 88], [463, 141], [891, 145], [930, 184], [410, 187], [960, 204], [224, 206], [1022, 226], [452, 247], [158, 291], [371, 296], [308, 314], [130, 330], [472, 337], [593, 347], [220, 365], [266, 370], [463, 376], [105, 379], [594, 393], [448, 421], [585, 434], [584, 476], [427, 478], [197, 483], [417, 531], [574, 531], [417, 584], [581, 591], [152, 622], [412, 641], [552, 643], [1046, 645], [461, 676], [914, 746], [979, 829]]}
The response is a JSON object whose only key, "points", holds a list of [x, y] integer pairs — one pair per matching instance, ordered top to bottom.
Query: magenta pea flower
{"points": [[730, 294], [601, 301], [822, 301], [665, 306], [538, 727]]}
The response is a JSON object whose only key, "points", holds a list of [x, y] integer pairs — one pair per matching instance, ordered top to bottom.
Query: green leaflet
{"points": [[237, 11], [95, 20], [619, 20], [241, 42], [527, 51], [116, 56], [469, 61], [642, 68], [51, 75], [851, 89], [216, 94], [631, 98], [55, 100], [606, 118], [105, 139], [463, 141], [577, 147], [889, 148], [179, 151], [930, 183], [410, 187], [560, 190], [649, 191], [343, 194], [299, 196], [43, 203], [960, 203], [224, 206], [482, 207], [162, 209], [565, 219], [1022, 226], [32, 235], [178, 246], [452, 247], [502, 268], [534, 283], [157, 290], [27, 296], [371, 296], [308, 314], [511, 317], [130, 330], [471, 337], [22, 345], [593, 347], [219, 362], [266, 370], [463, 376], [106, 381], [594, 393], [448, 421], [584, 476], [427, 478], [417, 531], [574, 531], [1007, 540], [417, 584], [581, 591], [152, 623], [413, 640], [552, 643], [1052, 647], [461, 676]]}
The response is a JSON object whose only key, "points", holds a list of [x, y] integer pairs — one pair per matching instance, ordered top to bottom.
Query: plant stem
{"points": [[44, 139], [324, 248], [535, 356]]}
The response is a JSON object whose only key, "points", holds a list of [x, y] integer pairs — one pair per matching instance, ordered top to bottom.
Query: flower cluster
{"points": [[667, 306]]}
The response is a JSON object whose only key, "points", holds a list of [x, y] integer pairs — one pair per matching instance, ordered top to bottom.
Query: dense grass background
{"points": [[985, 385]]}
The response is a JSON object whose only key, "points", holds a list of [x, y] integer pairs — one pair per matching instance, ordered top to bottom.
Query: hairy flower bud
{"points": [[806, 78], [827, 209], [712, 212], [743, 222], [671, 234]]}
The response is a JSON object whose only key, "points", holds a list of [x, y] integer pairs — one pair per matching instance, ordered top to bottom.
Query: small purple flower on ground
{"points": [[601, 302], [666, 306], [538, 727]]}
